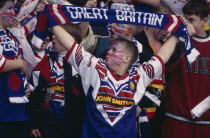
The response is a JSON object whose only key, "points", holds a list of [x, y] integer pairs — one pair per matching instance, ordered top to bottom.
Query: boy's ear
{"points": [[205, 20], [130, 30], [127, 58]]}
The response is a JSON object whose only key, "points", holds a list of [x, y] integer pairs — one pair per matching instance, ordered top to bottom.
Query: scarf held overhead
{"points": [[59, 14]]}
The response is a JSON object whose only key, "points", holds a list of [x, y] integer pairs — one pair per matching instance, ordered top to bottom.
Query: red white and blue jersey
{"points": [[2, 62], [13, 81], [56, 84], [111, 100]]}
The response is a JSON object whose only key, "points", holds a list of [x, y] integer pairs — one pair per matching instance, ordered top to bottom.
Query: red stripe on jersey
{"points": [[70, 51], [78, 53], [79, 61], [162, 63], [2, 64], [59, 65], [101, 70], [149, 70], [152, 71], [135, 78], [52, 80], [61, 81], [157, 82], [106, 89], [126, 94], [59, 97], [112, 109], [150, 114], [112, 118]]}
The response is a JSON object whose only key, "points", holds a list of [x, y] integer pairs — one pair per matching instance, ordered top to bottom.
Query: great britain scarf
{"points": [[27, 7], [59, 14]]}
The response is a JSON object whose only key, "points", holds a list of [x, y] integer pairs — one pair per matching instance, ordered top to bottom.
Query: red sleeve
{"points": [[26, 31], [70, 51], [2, 63], [162, 63]]}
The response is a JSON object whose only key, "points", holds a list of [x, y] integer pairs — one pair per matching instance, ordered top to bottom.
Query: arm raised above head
{"points": [[64, 38], [167, 48]]}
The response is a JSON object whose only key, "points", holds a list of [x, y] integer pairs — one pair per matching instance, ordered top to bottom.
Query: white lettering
{"points": [[80, 11], [104, 11], [96, 12], [88, 14], [73, 15], [120, 15], [128, 16], [139, 16], [147, 17], [152, 20], [159, 20]]}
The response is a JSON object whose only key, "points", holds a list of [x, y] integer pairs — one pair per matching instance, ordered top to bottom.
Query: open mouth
{"points": [[111, 34], [164, 35], [107, 58]]}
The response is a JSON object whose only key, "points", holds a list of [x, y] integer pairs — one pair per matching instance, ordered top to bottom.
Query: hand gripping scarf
{"points": [[59, 14]]}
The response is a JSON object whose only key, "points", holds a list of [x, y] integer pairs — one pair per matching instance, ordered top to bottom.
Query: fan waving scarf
{"points": [[59, 14]]}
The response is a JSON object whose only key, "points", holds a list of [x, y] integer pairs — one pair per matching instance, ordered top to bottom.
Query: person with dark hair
{"points": [[78, 2], [145, 5], [177, 5], [13, 71], [188, 84], [112, 91], [57, 103], [151, 115]]}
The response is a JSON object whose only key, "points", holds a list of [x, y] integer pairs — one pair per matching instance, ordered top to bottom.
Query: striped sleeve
{"points": [[82, 61], [2, 62], [152, 69]]}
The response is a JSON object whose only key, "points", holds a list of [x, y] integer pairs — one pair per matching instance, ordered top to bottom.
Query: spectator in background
{"points": [[145, 5], [177, 5], [100, 43], [45, 48], [13, 82], [188, 84], [57, 104], [152, 114]]}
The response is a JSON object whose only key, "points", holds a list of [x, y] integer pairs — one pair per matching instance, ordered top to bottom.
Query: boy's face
{"points": [[7, 13], [197, 22], [118, 30], [161, 34], [44, 43], [57, 47], [115, 55]]}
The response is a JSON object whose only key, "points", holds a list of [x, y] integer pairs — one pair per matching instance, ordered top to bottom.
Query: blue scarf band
{"points": [[59, 14]]}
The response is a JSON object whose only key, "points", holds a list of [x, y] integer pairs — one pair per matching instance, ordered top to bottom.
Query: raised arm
{"points": [[85, 25], [64, 38], [167, 48]]}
